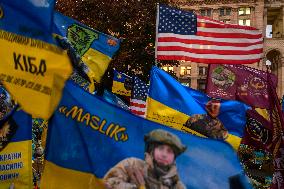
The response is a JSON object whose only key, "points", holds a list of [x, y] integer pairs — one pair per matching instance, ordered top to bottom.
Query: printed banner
{"points": [[96, 49], [33, 69], [238, 82], [122, 84], [189, 110], [93, 144], [16, 157]]}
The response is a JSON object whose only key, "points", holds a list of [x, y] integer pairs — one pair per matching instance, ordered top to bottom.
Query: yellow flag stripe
{"points": [[118, 88], [55, 177]]}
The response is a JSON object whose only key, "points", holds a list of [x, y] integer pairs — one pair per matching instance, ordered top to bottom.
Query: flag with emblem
{"points": [[183, 35], [95, 48], [239, 82], [121, 84], [138, 97]]}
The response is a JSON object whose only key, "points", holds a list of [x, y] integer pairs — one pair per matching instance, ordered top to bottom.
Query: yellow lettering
{"points": [[74, 112], [87, 118], [95, 122], [102, 126], [109, 128]]}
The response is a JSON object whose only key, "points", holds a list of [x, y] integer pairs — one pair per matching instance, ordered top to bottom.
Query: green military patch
{"points": [[81, 38]]}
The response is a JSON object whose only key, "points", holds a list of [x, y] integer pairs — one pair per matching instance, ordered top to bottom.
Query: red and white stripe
{"points": [[214, 43], [138, 107]]}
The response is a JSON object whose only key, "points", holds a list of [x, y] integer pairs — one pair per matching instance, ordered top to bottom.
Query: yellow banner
{"points": [[97, 62], [34, 72], [16, 165]]}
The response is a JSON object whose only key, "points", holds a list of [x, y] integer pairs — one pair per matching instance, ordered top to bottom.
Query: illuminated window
{"points": [[244, 11], [244, 22], [165, 68], [168, 68], [185, 70], [185, 82]]}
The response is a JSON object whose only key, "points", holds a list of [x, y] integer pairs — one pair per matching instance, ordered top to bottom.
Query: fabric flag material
{"points": [[183, 35], [96, 49], [32, 68], [79, 80], [238, 82], [122, 84], [108, 96], [139, 96], [282, 103], [174, 105], [277, 123], [258, 133], [88, 136], [16, 157]]}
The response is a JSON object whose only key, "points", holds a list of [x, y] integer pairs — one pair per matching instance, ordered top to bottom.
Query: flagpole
{"points": [[156, 40]]}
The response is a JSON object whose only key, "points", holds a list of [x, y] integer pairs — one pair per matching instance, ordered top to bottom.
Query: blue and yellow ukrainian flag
{"points": [[96, 49], [33, 69], [119, 85], [172, 104], [88, 136], [16, 157]]}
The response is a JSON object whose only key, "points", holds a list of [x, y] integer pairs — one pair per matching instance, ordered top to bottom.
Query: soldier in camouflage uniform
{"points": [[157, 171]]}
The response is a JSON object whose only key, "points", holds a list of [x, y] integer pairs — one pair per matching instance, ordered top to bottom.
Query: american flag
{"points": [[183, 35], [138, 98]]}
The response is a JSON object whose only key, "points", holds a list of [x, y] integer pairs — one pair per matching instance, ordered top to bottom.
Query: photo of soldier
{"points": [[158, 169]]}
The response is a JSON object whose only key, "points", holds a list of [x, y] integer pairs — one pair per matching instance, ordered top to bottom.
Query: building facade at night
{"points": [[265, 15]]}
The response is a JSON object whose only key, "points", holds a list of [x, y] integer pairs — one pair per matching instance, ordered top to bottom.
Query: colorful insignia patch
{"points": [[81, 38], [111, 42], [222, 77], [213, 107], [7, 131], [256, 131]]}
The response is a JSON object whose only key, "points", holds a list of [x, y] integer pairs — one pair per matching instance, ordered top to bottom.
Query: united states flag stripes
{"points": [[182, 35], [139, 96]]}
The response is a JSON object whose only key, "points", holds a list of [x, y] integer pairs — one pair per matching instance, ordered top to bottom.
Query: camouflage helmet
{"points": [[164, 137]]}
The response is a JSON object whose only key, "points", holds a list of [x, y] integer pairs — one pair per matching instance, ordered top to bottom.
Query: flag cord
{"points": [[156, 39]]}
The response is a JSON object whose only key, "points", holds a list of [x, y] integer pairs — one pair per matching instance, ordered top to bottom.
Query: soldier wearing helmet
{"points": [[157, 171]]}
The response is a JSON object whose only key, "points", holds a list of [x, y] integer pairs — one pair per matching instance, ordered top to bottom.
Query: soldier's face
{"points": [[164, 155]]}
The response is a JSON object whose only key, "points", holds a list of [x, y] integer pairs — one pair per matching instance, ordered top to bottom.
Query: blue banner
{"points": [[36, 19], [88, 137]]}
